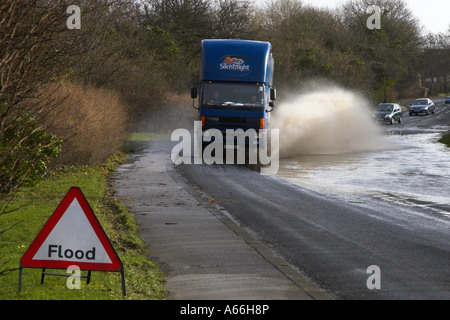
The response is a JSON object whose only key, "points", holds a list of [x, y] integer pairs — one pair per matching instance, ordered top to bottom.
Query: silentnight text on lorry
{"points": [[235, 90]]}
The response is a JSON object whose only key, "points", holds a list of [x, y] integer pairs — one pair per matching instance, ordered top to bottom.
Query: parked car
{"points": [[447, 100], [422, 106], [388, 112]]}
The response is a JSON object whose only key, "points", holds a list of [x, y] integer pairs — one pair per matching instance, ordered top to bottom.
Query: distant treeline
{"points": [[75, 93]]}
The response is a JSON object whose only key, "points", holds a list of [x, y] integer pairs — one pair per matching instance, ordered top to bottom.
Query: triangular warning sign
{"points": [[72, 236]]}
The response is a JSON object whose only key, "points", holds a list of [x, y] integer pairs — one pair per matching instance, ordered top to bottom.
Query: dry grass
{"points": [[91, 121]]}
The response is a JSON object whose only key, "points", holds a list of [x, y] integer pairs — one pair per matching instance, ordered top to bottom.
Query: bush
{"points": [[91, 121], [445, 139], [26, 150]]}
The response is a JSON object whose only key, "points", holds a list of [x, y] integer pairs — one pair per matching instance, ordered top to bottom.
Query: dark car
{"points": [[447, 100], [422, 106], [388, 112]]}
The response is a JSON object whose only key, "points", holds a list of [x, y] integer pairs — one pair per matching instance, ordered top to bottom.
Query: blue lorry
{"points": [[236, 87]]}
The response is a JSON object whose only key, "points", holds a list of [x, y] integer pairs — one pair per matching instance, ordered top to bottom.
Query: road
{"points": [[439, 119], [334, 239]]}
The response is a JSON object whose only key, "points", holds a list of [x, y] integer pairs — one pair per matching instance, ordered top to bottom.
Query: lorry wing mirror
{"points": [[194, 92], [273, 94]]}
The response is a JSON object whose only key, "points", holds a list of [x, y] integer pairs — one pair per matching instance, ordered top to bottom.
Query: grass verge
{"points": [[445, 139], [138, 140], [32, 208]]}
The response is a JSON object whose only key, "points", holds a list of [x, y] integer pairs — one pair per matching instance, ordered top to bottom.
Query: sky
{"points": [[433, 15]]}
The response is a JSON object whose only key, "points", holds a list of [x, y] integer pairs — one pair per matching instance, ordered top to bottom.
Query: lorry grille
{"points": [[223, 123]]}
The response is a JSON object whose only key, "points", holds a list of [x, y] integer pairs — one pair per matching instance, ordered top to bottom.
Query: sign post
{"points": [[72, 236]]}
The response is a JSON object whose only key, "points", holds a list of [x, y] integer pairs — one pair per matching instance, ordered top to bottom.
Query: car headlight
{"points": [[387, 116]]}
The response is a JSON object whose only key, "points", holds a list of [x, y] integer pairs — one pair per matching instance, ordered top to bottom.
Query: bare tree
{"points": [[233, 19], [28, 30], [390, 51], [434, 63]]}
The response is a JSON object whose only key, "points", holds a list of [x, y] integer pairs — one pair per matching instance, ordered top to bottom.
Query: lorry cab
{"points": [[235, 90]]}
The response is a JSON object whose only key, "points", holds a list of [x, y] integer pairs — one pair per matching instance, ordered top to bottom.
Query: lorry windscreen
{"points": [[225, 95]]}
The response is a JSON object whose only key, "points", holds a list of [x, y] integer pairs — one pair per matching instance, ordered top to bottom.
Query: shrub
{"points": [[91, 121], [445, 139], [26, 150]]}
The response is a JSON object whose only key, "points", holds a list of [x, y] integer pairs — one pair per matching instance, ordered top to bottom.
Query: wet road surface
{"points": [[333, 216]]}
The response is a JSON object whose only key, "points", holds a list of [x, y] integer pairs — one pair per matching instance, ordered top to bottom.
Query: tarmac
{"points": [[202, 252]]}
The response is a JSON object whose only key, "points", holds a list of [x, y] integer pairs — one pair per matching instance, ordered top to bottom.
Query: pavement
{"points": [[202, 252]]}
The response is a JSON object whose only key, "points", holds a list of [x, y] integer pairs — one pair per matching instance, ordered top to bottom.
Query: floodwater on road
{"points": [[413, 169]]}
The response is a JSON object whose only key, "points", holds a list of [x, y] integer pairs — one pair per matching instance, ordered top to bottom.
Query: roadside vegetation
{"points": [[69, 98], [445, 139], [30, 210]]}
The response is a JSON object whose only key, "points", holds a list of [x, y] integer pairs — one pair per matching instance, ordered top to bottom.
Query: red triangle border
{"points": [[74, 192]]}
